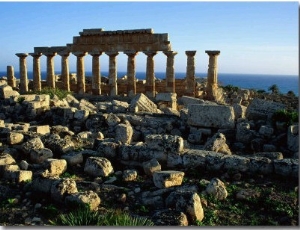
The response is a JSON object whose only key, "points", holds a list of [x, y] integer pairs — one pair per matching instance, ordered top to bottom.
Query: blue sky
{"points": [[253, 37]]}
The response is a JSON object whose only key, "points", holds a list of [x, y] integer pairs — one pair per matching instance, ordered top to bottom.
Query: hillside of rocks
{"points": [[108, 146]]}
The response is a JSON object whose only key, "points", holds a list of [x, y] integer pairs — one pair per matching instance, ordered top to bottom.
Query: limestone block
{"points": [[7, 91], [166, 97], [186, 100], [73, 102], [141, 103], [88, 106], [104, 106], [119, 106], [260, 109], [239, 110], [69, 113], [81, 114], [211, 116], [112, 119], [2, 123], [21, 127], [40, 129], [266, 131], [124, 133], [243, 133], [195, 137], [14, 138], [293, 138], [34, 143], [166, 143], [217, 143], [57, 145], [107, 149], [139, 153], [40, 155], [270, 155], [73, 158], [193, 158], [6, 159], [174, 160], [215, 161], [235, 162], [261, 165], [98, 166], [151, 166], [55, 167], [286, 167], [7, 171], [18, 175], [130, 175], [166, 179], [43, 184], [62, 188], [217, 188], [247, 194], [76, 200], [188, 202], [169, 217]]}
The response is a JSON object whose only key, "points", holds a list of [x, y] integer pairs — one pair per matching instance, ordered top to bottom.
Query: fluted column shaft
{"points": [[50, 69], [65, 69], [80, 71], [23, 72], [113, 73], [190, 73], [170, 74], [212, 75], [150, 77], [96, 79], [11, 80], [131, 81], [37, 85]]}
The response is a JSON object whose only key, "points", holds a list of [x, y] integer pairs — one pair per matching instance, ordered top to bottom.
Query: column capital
{"points": [[130, 52], [190, 52], [213, 52], [63, 53], [79, 53], [95, 53], [112, 53], [150, 53], [170, 53], [50, 54], [23, 55], [36, 55]]}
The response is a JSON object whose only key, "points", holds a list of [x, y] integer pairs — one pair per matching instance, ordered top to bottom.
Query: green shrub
{"points": [[230, 88], [60, 93], [283, 115]]}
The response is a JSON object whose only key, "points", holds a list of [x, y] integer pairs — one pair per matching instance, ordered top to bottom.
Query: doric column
{"points": [[50, 69], [65, 69], [80, 71], [23, 72], [113, 73], [190, 73], [170, 75], [212, 75], [150, 77], [11, 80], [96, 80], [131, 81], [37, 85]]}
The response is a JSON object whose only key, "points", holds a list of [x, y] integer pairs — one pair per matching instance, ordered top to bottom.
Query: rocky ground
{"points": [[198, 163]]}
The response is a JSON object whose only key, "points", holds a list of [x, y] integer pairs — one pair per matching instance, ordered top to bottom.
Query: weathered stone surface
{"points": [[7, 91], [141, 103], [87, 106], [119, 106], [260, 109], [239, 110], [81, 115], [211, 116], [111, 119], [40, 129], [266, 131], [124, 133], [243, 133], [14, 138], [293, 138], [34, 143], [166, 143], [217, 143], [57, 145], [107, 148], [40, 155], [270, 155], [73, 158], [6, 159], [192, 159], [215, 161], [234, 162], [261, 165], [98, 166], [151, 166], [55, 167], [286, 167], [18, 175], [130, 175], [166, 179], [43, 184], [61, 188], [217, 188], [247, 194], [91, 198], [188, 202], [169, 218]]}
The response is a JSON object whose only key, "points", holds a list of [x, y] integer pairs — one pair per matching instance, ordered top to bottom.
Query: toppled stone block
{"points": [[7, 91], [73, 102], [141, 103], [88, 106], [119, 106], [260, 109], [239, 110], [81, 115], [211, 116], [111, 119], [40, 129], [266, 131], [124, 133], [244, 134], [14, 138], [293, 138], [34, 143], [166, 143], [217, 143], [107, 148], [270, 155], [38, 156], [73, 158], [193, 158], [6, 159], [238, 163], [260, 165], [98, 166], [151, 166], [55, 167], [286, 167], [18, 175], [130, 175], [167, 179], [43, 184], [62, 188], [217, 189], [76, 200], [188, 202], [169, 217]]}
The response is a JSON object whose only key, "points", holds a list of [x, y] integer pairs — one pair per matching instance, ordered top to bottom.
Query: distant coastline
{"points": [[246, 81]]}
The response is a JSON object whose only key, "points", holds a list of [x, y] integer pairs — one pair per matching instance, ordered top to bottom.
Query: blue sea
{"points": [[285, 83]]}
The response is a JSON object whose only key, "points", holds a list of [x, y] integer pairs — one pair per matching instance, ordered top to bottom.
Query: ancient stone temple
{"points": [[96, 42]]}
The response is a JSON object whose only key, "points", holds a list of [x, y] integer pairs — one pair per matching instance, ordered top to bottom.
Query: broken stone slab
{"points": [[7, 91], [186, 100], [73, 102], [141, 103], [87, 106], [119, 106], [260, 109], [239, 110], [211, 116], [111, 119], [40, 129], [124, 133], [243, 133], [14, 138], [293, 138], [34, 143], [166, 143], [217, 143], [57, 145], [107, 148], [138, 153], [270, 155], [38, 156], [73, 158], [6, 159], [192, 159], [215, 161], [235, 162], [261, 165], [98, 166], [151, 166], [55, 167], [286, 167], [18, 175], [129, 175], [166, 179], [41, 184], [62, 188], [217, 189], [76, 200], [188, 202], [169, 217]]}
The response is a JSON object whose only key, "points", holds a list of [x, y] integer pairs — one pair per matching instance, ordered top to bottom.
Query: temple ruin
{"points": [[96, 42]]}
